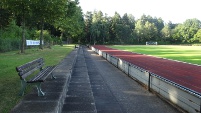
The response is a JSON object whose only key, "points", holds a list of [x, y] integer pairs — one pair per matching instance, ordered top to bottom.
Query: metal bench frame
{"points": [[28, 69]]}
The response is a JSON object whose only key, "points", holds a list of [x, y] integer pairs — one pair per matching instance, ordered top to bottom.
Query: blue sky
{"points": [[176, 11]]}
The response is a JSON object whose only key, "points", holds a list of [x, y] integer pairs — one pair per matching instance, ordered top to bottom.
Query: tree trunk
{"points": [[23, 35], [41, 35], [61, 37], [23, 38], [90, 39], [94, 40]]}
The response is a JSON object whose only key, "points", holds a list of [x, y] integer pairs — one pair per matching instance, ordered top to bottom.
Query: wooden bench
{"points": [[31, 68]]}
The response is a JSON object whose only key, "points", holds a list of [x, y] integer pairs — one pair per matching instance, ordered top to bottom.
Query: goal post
{"points": [[151, 43]]}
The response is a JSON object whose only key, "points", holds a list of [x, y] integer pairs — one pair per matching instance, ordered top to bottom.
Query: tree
{"points": [[19, 8], [47, 11], [5, 17], [131, 21], [88, 24], [71, 25], [75, 26], [97, 27], [128, 27], [115, 28], [140, 28], [105, 29], [189, 29], [151, 31], [166, 32], [176, 34], [197, 36], [10, 37]]}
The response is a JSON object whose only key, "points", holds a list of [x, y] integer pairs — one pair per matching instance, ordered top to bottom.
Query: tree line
{"points": [[50, 21], [62, 21], [103, 29]]}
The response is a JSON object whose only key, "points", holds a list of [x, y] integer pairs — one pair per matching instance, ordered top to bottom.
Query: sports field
{"points": [[190, 54], [181, 73]]}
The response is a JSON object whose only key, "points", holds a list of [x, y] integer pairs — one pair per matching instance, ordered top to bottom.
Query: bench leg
{"points": [[52, 76], [23, 86], [40, 92]]}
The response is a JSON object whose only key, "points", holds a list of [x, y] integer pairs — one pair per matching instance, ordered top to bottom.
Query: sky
{"points": [[176, 11]]}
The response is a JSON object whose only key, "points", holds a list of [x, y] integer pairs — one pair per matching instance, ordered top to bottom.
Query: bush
{"points": [[46, 35], [10, 37], [164, 43], [9, 44], [196, 44]]}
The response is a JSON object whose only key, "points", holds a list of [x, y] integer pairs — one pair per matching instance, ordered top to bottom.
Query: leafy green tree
{"points": [[19, 8], [47, 11], [5, 17], [125, 19], [159, 23], [88, 24], [71, 25], [172, 25], [97, 26], [128, 27], [132, 27], [115, 28], [76, 29], [105, 29], [189, 29], [140, 30], [145, 30], [151, 31], [166, 32], [176, 34], [46, 35], [197, 36], [10, 37]]}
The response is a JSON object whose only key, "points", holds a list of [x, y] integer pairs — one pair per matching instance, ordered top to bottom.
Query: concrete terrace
{"points": [[87, 83]]}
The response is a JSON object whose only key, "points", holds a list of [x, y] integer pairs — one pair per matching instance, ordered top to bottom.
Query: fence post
{"points": [[128, 68], [149, 82]]}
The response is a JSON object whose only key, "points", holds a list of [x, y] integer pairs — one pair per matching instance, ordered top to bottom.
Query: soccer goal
{"points": [[151, 43]]}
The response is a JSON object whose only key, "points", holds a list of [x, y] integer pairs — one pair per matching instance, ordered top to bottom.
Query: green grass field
{"points": [[190, 54], [10, 81]]}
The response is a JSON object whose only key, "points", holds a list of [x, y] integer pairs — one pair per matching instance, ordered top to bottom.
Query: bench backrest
{"points": [[28, 68]]}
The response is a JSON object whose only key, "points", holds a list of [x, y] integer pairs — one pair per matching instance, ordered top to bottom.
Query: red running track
{"points": [[185, 74]]}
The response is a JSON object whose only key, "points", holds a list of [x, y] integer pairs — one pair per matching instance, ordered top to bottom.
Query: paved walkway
{"points": [[96, 86]]}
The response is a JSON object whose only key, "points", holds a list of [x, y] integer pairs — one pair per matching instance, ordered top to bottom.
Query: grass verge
{"points": [[190, 54], [9, 80]]}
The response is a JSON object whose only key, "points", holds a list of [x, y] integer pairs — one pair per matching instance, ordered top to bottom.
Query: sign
{"points": [[33, 42]]}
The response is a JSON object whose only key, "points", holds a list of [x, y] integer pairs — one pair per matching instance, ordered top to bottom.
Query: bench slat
{"points": [[30, 66], [22, 67], [28, 73], [40, 77]]}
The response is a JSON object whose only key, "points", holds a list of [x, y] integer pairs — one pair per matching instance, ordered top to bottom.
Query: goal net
{"points": [[151, 43]]}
